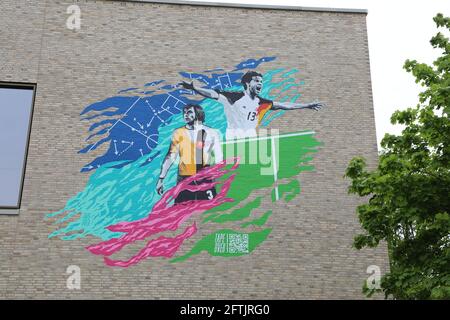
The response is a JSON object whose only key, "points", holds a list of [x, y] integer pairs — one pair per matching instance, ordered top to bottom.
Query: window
{"points": [[16, 108]]}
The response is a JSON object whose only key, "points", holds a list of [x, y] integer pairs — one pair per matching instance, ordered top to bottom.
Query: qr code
{"points": [[221, 243], [238, 243]]}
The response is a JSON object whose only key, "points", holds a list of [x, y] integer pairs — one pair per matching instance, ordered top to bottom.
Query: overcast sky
{"points": [[398, 30]]}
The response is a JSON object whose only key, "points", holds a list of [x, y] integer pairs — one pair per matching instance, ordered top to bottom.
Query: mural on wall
{"points": [[180, 158]]}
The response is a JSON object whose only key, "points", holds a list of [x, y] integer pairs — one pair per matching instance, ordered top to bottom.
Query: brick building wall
{"points": [[125, 44]]}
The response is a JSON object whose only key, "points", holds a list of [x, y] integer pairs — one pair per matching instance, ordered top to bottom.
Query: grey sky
{"points": [[398, 30], [15, 107]]}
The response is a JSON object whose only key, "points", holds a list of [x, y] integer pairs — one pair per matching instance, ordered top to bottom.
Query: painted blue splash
{"points": [[252, 63], [153, 83], [127, 90], [129, 124], [124, 190]]}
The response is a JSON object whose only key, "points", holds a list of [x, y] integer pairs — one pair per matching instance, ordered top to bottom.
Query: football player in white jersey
{"points": [[244, 110]]}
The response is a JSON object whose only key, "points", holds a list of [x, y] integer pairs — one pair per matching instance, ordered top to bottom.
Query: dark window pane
{"points": [[15, 111]]}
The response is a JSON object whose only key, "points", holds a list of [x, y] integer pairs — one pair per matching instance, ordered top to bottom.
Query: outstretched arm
{"points": [[208, 93], [293, 105], [167, 163]]}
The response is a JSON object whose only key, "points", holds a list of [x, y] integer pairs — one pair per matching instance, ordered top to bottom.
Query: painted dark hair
{"points": [[248, 76], [198, 110]]}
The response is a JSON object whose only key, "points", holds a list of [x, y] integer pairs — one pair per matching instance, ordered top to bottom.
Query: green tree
{"points": [[408, 194]]}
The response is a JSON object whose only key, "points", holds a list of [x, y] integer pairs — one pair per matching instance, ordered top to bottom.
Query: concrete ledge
{"points": [[250, 6], [9, 211]]}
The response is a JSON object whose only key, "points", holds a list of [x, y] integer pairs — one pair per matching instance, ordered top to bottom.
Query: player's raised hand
{"points": [[187, 85], [160, 187]]}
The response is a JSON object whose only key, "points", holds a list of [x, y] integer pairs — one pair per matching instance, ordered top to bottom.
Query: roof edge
{"points": [[250, 6]]}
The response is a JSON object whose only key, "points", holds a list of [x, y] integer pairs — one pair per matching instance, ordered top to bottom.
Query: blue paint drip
{"points": [[252, 63], [127, 90]]}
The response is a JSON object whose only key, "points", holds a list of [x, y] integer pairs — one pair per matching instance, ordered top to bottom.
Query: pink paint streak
{"points": [[166, 218], [161, 247]]}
